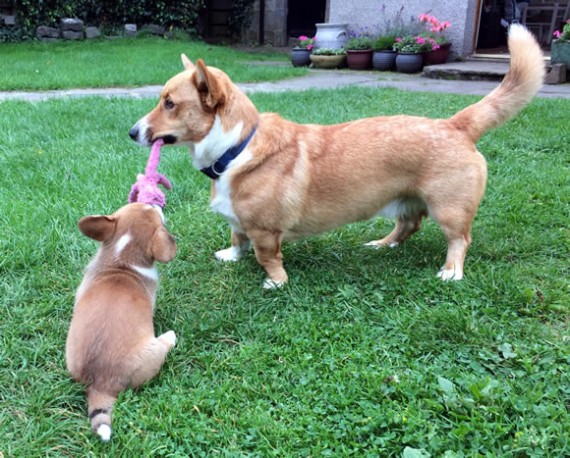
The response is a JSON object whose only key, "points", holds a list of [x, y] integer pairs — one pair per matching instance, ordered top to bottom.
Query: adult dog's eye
{"points": [[168, 104]]}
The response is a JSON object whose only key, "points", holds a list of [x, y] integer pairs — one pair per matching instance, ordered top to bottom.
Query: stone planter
{"points": [[330, 35], [560, 53], [439, 56], [300, 57], [359, 59], [384, 60], [321, 61], [407, 62]]}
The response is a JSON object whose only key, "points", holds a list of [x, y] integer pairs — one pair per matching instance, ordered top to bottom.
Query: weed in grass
{"points": [[364, 353]]}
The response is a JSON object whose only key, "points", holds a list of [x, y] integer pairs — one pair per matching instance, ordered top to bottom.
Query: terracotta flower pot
{"points": [[439, 56], [300, 57], [359, 59], [384, 60], [407, 62]]}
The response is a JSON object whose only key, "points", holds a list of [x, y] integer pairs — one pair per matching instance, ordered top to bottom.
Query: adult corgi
{"points": [[275, 180]]}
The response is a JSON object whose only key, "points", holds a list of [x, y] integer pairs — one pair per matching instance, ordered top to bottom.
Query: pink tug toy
{"points": [[145, 189]]}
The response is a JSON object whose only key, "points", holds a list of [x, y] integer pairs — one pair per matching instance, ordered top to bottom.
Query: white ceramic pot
{"points": [[330, 35]]}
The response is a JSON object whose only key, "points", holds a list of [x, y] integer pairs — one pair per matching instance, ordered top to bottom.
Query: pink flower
{"points": [[557, 34], [303, 38], [398, 40], [420, 40], [309, 47]]}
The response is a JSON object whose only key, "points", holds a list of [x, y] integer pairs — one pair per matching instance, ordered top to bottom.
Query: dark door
{"points": [[303, 15]]}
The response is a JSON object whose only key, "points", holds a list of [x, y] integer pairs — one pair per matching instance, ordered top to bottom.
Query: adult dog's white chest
{"points": [[222, 202]]}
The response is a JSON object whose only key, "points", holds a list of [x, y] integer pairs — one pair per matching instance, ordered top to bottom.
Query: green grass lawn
{"points": [[127, 62], [363, 353]]}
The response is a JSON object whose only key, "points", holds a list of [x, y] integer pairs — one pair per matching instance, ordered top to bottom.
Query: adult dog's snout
{"points": [[134, 133], [140, 133]]}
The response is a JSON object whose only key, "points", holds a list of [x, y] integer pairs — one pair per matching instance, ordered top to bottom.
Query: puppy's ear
{"points": [[188, 65], [210, 89], [97, 227], [163, 246]]}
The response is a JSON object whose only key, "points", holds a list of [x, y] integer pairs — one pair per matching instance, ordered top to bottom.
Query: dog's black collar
{"points": [[219, 167]]}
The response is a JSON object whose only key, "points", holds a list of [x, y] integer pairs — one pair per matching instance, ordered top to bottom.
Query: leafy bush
{"points": [[110, 14], [384, 42], [359, 43], [411, 44], [329, 52]]}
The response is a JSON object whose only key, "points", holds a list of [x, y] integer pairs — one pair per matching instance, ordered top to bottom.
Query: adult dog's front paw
{"points": [[450, 274], [272, 284]]}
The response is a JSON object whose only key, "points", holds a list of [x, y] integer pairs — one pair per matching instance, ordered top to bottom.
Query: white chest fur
{"points": [[207, 152], [222, 203]]}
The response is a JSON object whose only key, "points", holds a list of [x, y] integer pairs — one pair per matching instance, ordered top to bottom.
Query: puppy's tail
{"points": [[519, 86], [99, 408]]}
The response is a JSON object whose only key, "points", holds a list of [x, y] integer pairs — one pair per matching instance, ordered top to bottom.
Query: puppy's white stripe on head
{"points": [[122, 243], [148, 272]]}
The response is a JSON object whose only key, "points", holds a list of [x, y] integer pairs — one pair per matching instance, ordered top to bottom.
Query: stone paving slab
{"points": [[469, 70], [316, 79]]}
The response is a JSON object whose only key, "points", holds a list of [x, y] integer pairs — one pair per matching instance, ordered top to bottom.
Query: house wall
{"points": [[368, 13]]}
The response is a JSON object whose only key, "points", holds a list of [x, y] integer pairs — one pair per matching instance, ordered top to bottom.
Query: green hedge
{"points": [[30, 14]]}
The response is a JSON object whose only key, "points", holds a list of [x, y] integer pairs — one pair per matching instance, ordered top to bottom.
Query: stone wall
{"points": [[275, 23]]}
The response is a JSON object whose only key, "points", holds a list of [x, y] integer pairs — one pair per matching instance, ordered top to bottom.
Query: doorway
{"points": [[302, 15]]}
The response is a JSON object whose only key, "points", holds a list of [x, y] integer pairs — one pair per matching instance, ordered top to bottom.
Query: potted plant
{"points": [[434, 35], [410, 48], [560, 48], [359, 52], [300, 53], [384, 56], [328, 58]]}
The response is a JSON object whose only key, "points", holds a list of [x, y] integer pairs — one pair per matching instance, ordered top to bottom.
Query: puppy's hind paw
{"points": [[230, 254], [168, 338]]}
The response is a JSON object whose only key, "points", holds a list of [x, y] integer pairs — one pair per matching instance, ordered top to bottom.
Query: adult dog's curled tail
{"points": [[519, 86], [99, 408]]}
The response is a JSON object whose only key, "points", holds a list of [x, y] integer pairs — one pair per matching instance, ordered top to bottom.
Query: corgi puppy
{"points": [[276, 180], [111, 344]]}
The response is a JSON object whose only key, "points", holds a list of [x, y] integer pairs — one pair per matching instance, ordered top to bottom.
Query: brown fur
{"points": [[300, 180], [111, 344]]}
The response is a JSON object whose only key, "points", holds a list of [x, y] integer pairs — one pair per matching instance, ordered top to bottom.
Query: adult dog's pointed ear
{"points": [[188, 65], [208, 86], [97, 227], [163, 246]]}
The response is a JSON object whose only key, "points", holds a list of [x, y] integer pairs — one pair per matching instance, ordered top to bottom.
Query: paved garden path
{"points": [[316, 79]]}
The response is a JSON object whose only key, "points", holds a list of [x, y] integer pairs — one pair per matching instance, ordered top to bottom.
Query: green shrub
{"points": [[109, 14], [384, 42], [359, 43], [329, 52]]}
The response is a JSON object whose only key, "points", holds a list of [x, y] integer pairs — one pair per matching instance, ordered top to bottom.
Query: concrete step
{"points": [[471, 70]]}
